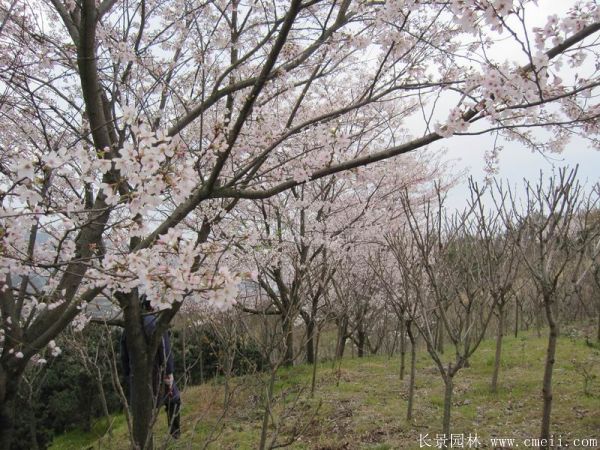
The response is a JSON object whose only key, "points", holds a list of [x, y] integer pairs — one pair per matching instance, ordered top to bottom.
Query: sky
{"points": [[466, 153], [515, 164]]}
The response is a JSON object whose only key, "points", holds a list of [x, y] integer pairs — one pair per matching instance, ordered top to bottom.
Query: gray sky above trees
{"points": [[515, 163]]}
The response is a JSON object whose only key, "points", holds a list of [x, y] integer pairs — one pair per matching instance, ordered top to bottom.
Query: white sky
{"points": [[516, 162]]}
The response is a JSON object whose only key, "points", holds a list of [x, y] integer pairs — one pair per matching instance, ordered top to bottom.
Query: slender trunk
{"points": [[517, 319], [288, 331], [598, 331], [310, 338], [391, 348], [402, 348], [183, 355], [498, 357], [201, 358], [413, 364], [314, 369], [548, 369], [228, 371], [448, 391], [102, 394], [267, 411]]}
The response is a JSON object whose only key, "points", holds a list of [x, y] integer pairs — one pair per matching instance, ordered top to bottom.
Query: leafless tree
{"points": [[545, 234], [445, 245], [499, 262], [405, 287]]}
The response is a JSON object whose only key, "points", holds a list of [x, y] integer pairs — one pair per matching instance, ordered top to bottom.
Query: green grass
{"points": [[367, 409]]}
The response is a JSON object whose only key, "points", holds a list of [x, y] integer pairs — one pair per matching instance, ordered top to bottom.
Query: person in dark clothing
{"points": [[163, 384]]}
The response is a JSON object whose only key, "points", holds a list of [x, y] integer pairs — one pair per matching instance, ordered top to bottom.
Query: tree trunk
{"points": [[517, 308], [538, 322], [288, 331], [598, 331], [440, 337], [341, 338], [361, 338], [310, 339], [402, 348], [498, 357], [315, 362], [413, 364], [548, 369], [227, 372], [448, 391], [102, 393], [7, 394], [142, 396], [142, 406], [267, 410], [33, 428]]}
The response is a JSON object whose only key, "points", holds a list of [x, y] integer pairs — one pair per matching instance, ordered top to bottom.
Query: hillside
{"points": [[363, 405]]}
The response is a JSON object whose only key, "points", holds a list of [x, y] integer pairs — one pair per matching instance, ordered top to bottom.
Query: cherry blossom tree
{"points": [[132, 130], [296, 239]]}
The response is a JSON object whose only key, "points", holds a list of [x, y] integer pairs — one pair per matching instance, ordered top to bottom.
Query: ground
{"points": [[362, 405]]}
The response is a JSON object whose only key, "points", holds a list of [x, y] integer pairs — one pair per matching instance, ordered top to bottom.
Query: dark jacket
{"points": [[163, 363]]}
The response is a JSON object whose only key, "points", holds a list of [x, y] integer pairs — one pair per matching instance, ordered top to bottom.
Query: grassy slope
{"points": [[368, 407]]}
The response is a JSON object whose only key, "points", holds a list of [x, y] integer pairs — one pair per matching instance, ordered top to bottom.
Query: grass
{"points": [[367, 408]]}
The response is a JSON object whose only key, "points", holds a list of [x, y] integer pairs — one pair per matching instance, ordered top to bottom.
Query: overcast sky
{"points": [[516, 162]]}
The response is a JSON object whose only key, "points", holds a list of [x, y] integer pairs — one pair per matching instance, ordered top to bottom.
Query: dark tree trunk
{"points": [[517, 308], [342, 334], [361, 340], [310, 341], [402, 348], [498, 357], [413, 364], [314, 368], [548, 369], [7, 394], [142, 401], [142, 406], [33, 428]]}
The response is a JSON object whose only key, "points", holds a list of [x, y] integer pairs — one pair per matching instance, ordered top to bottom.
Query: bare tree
{"points": [[544, 233], [445, 245], [498, 258], [405, 292]]}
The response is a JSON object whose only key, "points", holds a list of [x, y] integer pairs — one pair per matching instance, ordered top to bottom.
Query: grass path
{"points": [[367, 408]]}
